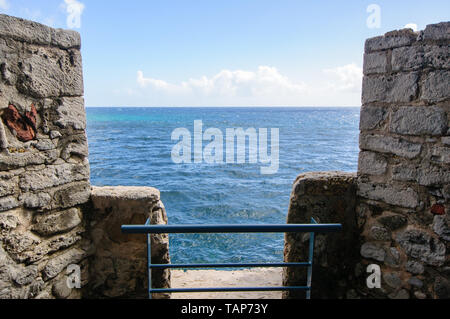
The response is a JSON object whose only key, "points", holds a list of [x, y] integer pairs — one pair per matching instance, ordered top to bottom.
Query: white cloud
{"points": [[4, 4], [74, 10], [411, 26], [347, 78], [265, 81], [264, 86]]}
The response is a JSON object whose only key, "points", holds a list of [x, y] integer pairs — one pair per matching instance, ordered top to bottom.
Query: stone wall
{"points": [[404, 163], [44, 171], [403, 182], [329, 197], [47, 220], [118, 267]]}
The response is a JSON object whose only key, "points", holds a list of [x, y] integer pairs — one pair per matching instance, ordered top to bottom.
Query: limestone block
{"points": [[24, 30], [438, 31], [33, 32], [65, 39], [390, 40], [436, 56], [407, 58], [375, 63], [50, 72], [435, 86], [401, 87], [71, 113], [371, 117], [419, 121], [55, 134], [445, 140], [388, 144], [45, 145], [74, 145], [440, 155], [27, 158], [371, 163], [404, 172], [53, 175], [433, 175], [8, 187], [389, 194], [71, 195], [102, 196], [35, 200], [7, 203], [393, 221], [8, 222], [57, 222], [440, 227], [380, 233], [17, 243], [420, 245], [49, 246], [373, 251], [392, 257], [58, 264], [415, 267], [25, 275], [393, 280], [61, 290]]}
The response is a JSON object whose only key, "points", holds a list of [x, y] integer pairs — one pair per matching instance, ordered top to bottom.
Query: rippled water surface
{"points": [[132, 146]]}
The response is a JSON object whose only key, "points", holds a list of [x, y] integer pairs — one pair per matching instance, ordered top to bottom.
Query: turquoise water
{"points": [[132, 146]]}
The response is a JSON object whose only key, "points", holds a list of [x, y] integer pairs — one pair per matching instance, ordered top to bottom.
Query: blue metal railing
{"points": [[312, 228]]}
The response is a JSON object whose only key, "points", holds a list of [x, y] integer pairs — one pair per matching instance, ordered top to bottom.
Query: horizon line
{"points": [[242, 106]]}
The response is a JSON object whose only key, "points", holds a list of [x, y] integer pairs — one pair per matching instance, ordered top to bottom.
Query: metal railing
{"points": [[312, 228]]}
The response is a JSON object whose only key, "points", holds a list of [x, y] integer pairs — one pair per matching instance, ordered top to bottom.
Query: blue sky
{"points": [[225, 53]]}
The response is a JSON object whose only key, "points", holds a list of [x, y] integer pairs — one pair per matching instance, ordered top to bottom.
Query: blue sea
{"points": [[132, 146]]}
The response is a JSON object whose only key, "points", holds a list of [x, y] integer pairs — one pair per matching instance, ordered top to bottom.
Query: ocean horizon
{"points": [[132, 146]]}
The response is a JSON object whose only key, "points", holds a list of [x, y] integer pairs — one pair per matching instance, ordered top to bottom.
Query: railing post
{"points": [[310, 260], [149, 261]]}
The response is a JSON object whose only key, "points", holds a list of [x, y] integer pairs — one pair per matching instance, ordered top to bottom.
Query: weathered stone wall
{"points": [[404, 164], [44, 171], [329, 197], [402, 203], [47, 220], [118, 266]]}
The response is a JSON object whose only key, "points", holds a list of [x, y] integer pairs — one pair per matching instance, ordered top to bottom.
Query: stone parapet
{"points": [[44, 168], [329, 197], [118, 266]]}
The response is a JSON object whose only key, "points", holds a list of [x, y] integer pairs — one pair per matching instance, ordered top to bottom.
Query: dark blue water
{"points": [[132, 146]]}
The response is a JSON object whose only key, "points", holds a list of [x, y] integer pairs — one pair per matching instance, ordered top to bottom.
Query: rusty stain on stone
{"points": [[23, 126], [437, 209]]}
